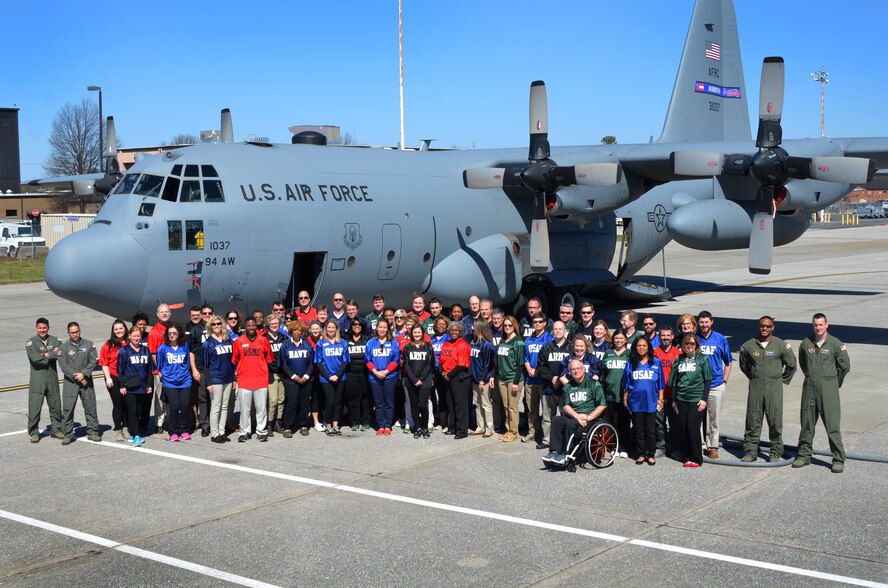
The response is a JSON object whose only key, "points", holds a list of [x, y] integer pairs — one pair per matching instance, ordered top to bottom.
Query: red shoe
{"points": [[388, 431], [380, 432], [691, 464]]}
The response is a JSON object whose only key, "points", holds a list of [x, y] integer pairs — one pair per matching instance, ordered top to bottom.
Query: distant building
{"points": [[10, 162]]}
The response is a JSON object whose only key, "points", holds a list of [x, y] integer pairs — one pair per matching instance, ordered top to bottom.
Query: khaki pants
{"points": [[532, 395], [276, 396], [551, 404], [510, 406], [484, 414]]}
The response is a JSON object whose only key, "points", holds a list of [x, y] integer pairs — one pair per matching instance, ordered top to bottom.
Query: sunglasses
{"points": [[303, 298], [585, 312], [207, 313], [232, 318], [538, 322], [219, 324], [649, 324]]}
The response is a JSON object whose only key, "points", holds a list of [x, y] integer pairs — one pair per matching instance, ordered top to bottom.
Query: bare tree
{"points": [[349, 138], [184, 139], [74, 140]]}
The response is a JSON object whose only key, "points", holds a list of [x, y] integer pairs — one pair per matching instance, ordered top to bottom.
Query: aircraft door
{"points": [[390, 258], [307, 274]]}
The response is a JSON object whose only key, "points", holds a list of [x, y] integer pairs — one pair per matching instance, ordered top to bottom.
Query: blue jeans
{"points": [[384, 399]]}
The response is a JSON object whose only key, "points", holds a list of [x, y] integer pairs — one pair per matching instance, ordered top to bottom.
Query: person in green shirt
{"points": [[613, 365], [510, 375], [689, 379], [43, 381], [584, 402]]}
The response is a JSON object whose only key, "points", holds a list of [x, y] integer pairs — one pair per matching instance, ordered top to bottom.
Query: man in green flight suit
{"points": [[78, 358], [769, 363], [825, 363], [44, 381]]}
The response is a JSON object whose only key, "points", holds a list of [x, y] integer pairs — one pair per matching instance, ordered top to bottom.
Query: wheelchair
{"points": [[596, 445]]}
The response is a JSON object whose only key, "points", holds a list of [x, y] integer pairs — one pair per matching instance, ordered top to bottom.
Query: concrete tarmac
{"points": [[373, 511]]}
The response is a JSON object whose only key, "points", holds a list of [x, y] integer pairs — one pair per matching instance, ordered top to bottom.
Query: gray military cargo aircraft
{"points": [[246, 224]]}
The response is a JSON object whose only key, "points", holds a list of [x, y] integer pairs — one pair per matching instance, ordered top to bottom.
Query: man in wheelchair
{"points": [[583, 403]]}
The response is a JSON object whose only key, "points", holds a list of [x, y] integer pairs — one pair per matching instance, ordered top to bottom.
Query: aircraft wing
{"points": [[875, 148], [64, 181]]}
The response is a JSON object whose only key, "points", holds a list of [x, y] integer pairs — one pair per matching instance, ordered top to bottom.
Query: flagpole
{"points": [[401, 63]]}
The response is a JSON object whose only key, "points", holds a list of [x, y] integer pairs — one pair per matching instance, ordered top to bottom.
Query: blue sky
{"points": [[169, 67]]}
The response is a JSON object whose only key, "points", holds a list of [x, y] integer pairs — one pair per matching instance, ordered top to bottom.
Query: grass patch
{"points": [[21, 271]]}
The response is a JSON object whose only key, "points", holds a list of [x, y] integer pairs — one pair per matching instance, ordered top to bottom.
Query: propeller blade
{"points": [[539, 122], [227, 132], [770, 133], [110, 139], [698, 163], [843, 170], [484, 177], [539, 234], [761, 243]]}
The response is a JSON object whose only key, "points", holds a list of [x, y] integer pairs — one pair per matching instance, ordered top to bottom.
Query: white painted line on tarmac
{"points": [[14, 433], [504, 518], [135, 551]]}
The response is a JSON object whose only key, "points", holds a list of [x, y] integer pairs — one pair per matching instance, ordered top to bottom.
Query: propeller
{"points": [[109, 153], [771, 166], [541, 175]]}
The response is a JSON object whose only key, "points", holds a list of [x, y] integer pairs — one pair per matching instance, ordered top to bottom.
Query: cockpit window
{"points": [[177, 169], [191, 171], [208, 171], [149, 185], [125, 186], [171, 189], [190, 191], [213, 191]]}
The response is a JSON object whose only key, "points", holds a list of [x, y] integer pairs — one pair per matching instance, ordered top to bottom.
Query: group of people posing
{"points": [[464, 371]]}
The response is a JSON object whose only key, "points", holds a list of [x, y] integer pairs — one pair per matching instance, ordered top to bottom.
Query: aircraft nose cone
{"points": [[100, 268]]}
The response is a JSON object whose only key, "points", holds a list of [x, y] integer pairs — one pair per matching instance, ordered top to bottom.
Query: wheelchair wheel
{"points": [[601, 444]]}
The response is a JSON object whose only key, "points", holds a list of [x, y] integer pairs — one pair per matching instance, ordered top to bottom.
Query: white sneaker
{"points": [[320, 428], [623, 454]]}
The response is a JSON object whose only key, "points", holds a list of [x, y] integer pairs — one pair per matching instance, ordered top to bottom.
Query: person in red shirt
{"points": [[419, 307], [304, 312], [156, 337], [252, 354], [108, 362], [455, 363], [665, 419]]}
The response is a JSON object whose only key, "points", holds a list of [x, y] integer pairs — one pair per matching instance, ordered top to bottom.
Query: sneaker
{"points": [[319, 427], [365, 427], [437, 427], [406, 429], [304, 431], [337, 431], [387, 431], [204, 432], [330, 432], [380, 432], [288, 434], [417, 434], [425, 434], [120, 436], [186, 436], [174, 437], [35, 438], [94, 438], [241, 438], [262, 438], [529, 438], [131, 439], [218, 439], [66, 440], [138, 441], [539, 445], [659, 453], [622, 454], [550, 456], [748, 458], [560, 459], [801, 462], [691, 464], [837, 467]]}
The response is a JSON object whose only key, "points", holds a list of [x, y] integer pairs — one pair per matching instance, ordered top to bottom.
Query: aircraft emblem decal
{"points": [[769, 107], [823, 168], [658, 216], [761, 224], [352, 238]]}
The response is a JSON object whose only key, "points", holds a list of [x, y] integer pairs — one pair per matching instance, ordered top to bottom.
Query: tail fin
{"points": [[709, 101]]}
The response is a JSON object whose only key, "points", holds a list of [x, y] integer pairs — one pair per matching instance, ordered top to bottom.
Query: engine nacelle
{"points": [[576, 202], [715, 225], [491, 267]]}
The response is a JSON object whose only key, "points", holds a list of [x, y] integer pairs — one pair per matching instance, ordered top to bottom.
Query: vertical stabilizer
{"points": [[709, 98]]}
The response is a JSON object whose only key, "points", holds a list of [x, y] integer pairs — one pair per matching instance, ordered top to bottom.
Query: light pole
{"points": [[821, 76], [101, 138]]}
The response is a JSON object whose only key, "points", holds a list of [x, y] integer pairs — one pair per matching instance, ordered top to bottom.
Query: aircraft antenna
{"points": [[401, 63], [821, 76]]}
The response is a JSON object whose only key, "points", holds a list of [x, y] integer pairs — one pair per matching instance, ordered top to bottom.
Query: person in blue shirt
{"points": [[649, 326], [716, 349], [582, 350], [382, 357], [296, 358], [332, 359], [174, 366], [135, 367], [483, 372], [220, 374], [533, 382], [642, 387]]}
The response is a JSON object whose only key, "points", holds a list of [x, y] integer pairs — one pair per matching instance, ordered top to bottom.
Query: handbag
{"points": [[133, 381]]}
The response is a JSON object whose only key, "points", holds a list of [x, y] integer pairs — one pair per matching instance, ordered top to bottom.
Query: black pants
{"points": [[458, 393], [333, 397], [435, 397], [357, 398], [317, 399], [203, 402], [297, 403], [118, 404], [419, 405], [138, 409], [177, 409], [443, 411], [618, 416], [645, 424], [562, 428], [688, 435]]}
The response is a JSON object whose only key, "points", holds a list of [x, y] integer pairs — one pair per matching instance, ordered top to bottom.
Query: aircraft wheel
{"points": [[561, 296]]}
